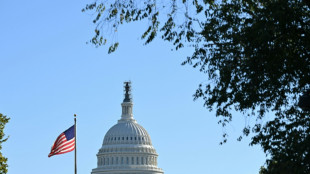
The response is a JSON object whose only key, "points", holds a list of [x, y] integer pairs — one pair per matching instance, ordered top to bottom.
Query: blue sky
{"points": [[48, 73]]}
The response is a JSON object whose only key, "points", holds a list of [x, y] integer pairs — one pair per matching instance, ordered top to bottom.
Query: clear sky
{"points": [[48, 73]]}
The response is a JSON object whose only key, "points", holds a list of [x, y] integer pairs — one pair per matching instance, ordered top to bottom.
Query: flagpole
{"points": [[75, 172]]}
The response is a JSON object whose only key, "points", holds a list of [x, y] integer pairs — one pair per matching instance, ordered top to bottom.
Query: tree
{"points": [[255, 54], [3, 160]]}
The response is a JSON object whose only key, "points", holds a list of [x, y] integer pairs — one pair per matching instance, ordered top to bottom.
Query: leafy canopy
{"points": [[255, 54], [3, 160]]}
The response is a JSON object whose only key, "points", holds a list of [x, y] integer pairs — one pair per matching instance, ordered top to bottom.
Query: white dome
{"points": [[128, 132], [127, 147]]}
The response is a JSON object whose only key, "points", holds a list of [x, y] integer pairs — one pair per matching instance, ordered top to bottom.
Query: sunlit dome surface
{"points": [[127, 133]]}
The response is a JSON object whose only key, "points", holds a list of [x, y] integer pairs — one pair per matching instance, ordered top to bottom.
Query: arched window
{"points": [[126, 138], [112, 160], [116, 160], [122, 160], [127, 160], [132, 160], [137, 160]]}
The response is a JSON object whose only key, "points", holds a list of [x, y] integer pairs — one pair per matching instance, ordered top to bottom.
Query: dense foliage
{"points": [[255, 54], [3, 160]]}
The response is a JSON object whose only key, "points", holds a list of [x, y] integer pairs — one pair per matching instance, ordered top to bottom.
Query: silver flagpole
{"points": [[75, 171]]}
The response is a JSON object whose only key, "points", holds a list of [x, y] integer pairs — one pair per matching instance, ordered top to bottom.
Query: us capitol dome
{"points": [[127, 147]]}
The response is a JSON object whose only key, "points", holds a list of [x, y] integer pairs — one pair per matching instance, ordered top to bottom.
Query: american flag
{"points": [[64, 143]]}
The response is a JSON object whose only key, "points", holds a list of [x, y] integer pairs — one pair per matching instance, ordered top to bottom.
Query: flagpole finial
{"points": [[74, 115]]}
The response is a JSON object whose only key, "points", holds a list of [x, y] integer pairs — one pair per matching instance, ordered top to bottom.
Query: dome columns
{"points": [[127, 111]]}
